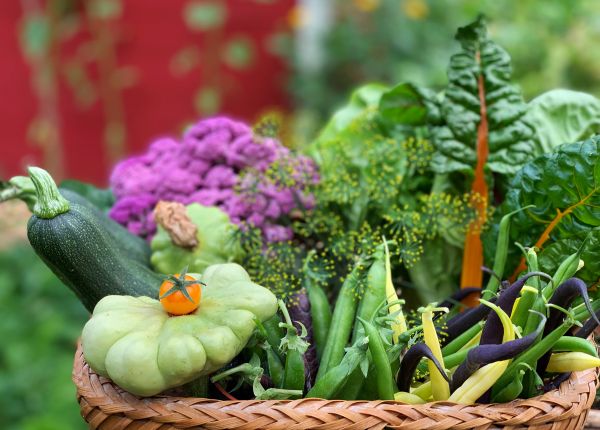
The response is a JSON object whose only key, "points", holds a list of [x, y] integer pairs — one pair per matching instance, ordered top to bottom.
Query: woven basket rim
{"points": [[106, 406]]}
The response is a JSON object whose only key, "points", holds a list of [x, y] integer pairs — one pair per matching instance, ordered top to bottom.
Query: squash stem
{"points": [[50, 203]]}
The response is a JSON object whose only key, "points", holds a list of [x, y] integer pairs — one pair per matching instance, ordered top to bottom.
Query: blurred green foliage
{"points": [[553, 43], [41, 320]]}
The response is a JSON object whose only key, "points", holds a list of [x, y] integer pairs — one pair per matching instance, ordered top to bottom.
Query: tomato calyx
{"points": [[180, 284]]}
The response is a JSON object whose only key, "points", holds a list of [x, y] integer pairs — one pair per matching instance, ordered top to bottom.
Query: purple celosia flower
{"points": [[218, 162]]}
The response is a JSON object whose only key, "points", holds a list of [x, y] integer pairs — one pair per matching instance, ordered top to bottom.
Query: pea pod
{"points": [[374, 294], [320, 310], [341, 322], [274, 333], [294, 347], [274, 364], [383, 370], [353, 385], [328, 386]]}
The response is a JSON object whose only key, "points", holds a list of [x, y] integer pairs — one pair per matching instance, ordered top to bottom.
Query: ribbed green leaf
{"points": [[563, 116], [510, 137], [567, 179]]}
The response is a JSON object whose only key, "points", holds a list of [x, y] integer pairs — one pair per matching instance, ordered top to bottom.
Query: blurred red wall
{"points": [[83, 85]]}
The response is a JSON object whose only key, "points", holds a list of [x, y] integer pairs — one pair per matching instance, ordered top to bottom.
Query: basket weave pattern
{"points": [[107, 407]]}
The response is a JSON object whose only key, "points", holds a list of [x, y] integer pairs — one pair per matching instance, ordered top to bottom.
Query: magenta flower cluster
{"points": [[218, 162]]}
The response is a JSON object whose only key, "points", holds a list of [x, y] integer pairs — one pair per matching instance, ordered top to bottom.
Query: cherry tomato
{"points": [[172, 297]]}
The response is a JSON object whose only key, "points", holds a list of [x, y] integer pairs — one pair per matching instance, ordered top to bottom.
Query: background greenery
{"points": [[553, 43]]}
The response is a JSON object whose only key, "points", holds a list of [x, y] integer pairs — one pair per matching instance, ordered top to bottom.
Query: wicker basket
{"points": [[107, 407]]}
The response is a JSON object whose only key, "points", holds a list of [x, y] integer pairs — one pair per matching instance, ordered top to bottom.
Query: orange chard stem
{"points": [[546, 233], [471, 275]]}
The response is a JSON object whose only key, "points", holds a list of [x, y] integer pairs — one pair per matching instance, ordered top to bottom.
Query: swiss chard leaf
{"points": [[362, 99], [407, 104], [563, 116], [510, 136], [564, 186]]}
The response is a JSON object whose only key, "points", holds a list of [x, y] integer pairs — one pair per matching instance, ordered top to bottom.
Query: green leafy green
{"points": [[362, 99], [407, 104], [563, 116], [510, 136], [564, 186]]}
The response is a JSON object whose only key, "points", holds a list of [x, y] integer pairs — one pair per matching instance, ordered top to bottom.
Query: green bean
{"points": [[501, 251], [566, 269], [528, 297], [539, 305], [341, 323], [462, 339], [575, 344], [533, 354], [450, 360], [382, 369], [512, 390]]}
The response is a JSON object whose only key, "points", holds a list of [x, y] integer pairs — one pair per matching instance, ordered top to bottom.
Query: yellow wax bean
{"points": [[399, 326], [571, 362], [479, 382], [439, 386], [411, 399]]}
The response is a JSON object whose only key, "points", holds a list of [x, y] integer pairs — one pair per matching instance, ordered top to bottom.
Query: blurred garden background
{"points": [[86, 82]]}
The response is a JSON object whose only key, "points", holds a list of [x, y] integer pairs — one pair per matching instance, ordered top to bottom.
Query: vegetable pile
{"points": [[446, 249]]}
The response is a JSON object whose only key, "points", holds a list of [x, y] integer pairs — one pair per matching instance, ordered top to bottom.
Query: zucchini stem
{"points": [[50, 203]]}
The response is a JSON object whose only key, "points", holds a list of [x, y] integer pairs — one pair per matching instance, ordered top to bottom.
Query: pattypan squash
{"points": [[213, 242], [144, 350]]}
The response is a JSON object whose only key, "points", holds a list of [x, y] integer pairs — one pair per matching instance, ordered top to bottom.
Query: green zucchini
{"points": [[137, 248], [79, 249]]}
